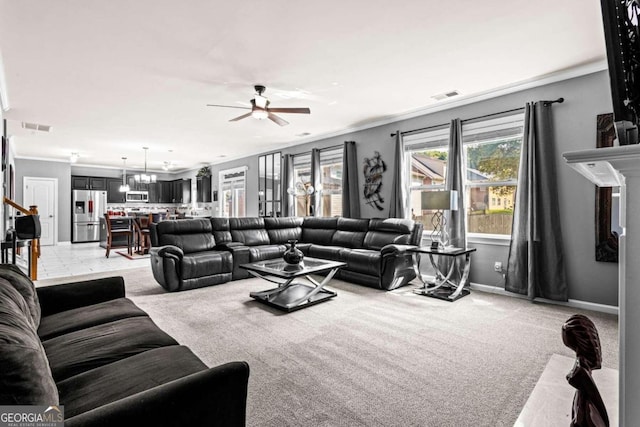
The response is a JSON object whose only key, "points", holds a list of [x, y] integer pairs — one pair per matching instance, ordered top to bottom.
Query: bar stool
{"points": [[118, 227], [143, 236]]}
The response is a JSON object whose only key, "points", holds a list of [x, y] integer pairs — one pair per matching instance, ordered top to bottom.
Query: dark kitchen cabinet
{"points": [[88, 183], [203, 189], [164, 191], [181, 191], [154, 194], [114, 195]]}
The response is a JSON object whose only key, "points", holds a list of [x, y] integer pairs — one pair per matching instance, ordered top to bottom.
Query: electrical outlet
{"points": [[497, 267]]}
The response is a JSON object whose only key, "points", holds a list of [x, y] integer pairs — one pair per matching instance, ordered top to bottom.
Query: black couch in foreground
{"points": [[192, 253], [87, 347]]}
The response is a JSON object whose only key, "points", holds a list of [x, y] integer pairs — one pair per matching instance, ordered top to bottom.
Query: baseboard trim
{"points": [[572, 303]]}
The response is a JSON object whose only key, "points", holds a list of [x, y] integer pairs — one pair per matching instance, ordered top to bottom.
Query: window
{"points": [[491, 150], [428, 152], [492, 153], [302, 184], [269, 191], [330, 191], [232, 192]]}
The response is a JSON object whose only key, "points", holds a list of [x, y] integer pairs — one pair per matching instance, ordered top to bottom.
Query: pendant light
{"points": [[144, 178], [124, 187]]}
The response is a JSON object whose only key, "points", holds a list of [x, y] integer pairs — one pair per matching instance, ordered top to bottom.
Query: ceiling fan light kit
{"points": [[260, 109]]}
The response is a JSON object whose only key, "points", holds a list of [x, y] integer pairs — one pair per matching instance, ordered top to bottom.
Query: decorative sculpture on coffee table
{"points": [[293, 256], [580, 335]]}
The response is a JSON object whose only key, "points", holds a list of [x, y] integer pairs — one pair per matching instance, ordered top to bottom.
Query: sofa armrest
{"points": [[393, 249], [170, 251], [240, 254], [166, 265], [67, 296], [216, 396]]}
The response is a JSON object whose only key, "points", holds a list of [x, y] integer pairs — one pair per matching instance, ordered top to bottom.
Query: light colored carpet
{"points": [[367, 357]]}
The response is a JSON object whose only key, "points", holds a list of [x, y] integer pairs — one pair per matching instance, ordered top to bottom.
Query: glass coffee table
{"points": [[291, 294]]}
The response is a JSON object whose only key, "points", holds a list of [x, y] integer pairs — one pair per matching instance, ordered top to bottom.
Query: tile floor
{"points": [[81, 258]]}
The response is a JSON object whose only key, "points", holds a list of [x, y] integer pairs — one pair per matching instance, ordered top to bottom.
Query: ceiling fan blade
{"points": [[228, 106], [290, 110], [244, 116], [276, 119]]}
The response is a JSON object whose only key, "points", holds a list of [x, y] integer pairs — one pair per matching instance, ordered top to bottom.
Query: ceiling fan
{"points": [[260, 109]]}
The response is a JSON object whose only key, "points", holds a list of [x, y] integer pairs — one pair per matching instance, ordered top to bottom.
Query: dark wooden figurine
{"points": [[580, 335]]}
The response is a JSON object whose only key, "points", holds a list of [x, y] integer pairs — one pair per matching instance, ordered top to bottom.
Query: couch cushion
{"points": [[281, 230], [318, 230], [249, 231], [386, 231], [350, 232], [192, 235], [259, 253], [333, 253], [363, 261], [201, 264], [23, 284], [85, 317], [90, 348], [26, 377], [126, 377]]}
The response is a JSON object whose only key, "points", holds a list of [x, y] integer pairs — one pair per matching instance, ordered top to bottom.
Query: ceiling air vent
{"points": [[441, 96], [35, 126]]}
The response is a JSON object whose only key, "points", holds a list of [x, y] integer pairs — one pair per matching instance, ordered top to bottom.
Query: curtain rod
{"points": [[545, 103]]}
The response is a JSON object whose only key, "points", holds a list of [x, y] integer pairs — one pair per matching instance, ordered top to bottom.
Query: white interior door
{"points": [[42, 192]]}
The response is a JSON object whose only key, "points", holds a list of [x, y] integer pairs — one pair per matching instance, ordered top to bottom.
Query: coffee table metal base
{"points": [[287, 299]]}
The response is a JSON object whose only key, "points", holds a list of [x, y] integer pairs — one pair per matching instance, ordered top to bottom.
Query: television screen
{"points": [[622, 35]]}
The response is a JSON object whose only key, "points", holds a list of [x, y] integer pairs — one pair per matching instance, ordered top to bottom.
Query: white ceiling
{"points": [[111, 77]]}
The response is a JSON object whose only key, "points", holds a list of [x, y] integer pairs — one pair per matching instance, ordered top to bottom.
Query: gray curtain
{"points": [[454, 180], [315, 181], [287, 182], [350, 187], [398, 190], [536, 260]]}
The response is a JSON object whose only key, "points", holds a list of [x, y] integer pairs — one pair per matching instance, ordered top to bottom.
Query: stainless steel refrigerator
{"points": [[88, 207]]}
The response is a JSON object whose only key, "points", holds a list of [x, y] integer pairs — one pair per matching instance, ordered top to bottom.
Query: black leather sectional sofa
{"points": [[200, 252], [87, 347]]}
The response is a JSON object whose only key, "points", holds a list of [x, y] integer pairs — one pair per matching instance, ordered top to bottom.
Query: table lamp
{"points": [[439, 201]]}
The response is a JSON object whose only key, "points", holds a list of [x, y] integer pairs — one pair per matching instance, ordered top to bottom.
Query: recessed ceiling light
{"points": [[303, 134], [222, 155]]}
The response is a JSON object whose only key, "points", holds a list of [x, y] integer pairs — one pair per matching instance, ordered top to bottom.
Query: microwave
{"points": [[137, 196]]}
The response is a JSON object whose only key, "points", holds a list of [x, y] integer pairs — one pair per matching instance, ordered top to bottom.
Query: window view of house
{"points": [[491, 157], [331, 183], [302, 184]]}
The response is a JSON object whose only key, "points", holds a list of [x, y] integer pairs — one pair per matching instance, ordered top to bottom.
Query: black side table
{"points": [[443, 287]]}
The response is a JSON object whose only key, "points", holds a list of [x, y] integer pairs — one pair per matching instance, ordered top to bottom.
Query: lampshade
{"points": [[439, 200]]}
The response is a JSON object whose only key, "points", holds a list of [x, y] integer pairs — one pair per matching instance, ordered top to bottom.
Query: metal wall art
{"points": [[373, 169]]}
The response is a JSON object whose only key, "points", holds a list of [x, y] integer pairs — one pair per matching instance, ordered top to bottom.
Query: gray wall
{"points": [[575, 129], [44, 169]]}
